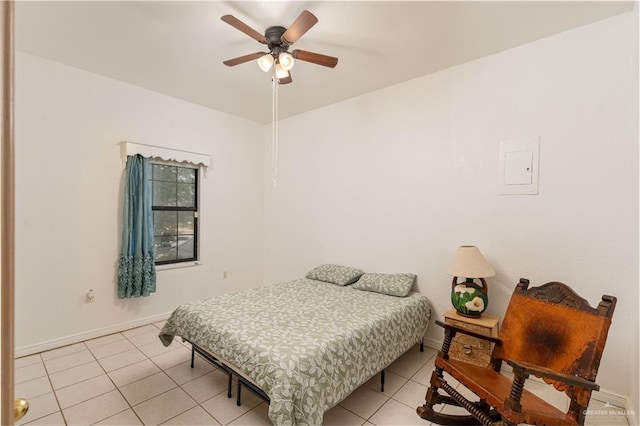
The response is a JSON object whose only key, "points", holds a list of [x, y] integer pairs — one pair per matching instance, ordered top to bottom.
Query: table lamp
{"points": [[469, 298]]}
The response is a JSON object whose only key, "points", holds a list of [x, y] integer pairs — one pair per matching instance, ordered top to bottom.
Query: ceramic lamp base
{"points": [[469, 299]]}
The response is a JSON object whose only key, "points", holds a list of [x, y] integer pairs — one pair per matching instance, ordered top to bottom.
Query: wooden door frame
{"points": [[7, 217]]}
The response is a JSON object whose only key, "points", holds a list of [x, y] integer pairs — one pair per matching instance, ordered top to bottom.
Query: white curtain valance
{"points": [[168, 154]]}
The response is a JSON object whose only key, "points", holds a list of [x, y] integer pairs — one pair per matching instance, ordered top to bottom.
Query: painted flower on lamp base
{"points": [[469, 299]]}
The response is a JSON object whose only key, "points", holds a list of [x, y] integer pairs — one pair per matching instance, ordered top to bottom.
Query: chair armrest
{"points": [[457, 329], [554, 375]]}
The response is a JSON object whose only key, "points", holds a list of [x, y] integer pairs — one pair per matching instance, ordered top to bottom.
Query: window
{"points": [[175, 213]]}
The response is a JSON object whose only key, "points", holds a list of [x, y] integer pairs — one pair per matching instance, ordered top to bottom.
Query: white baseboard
{"points": [[92, 334], [433, 344], [610, 398], [615, 405]]}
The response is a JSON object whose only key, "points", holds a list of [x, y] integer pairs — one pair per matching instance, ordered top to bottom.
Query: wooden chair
{"points": [[549, 332]]}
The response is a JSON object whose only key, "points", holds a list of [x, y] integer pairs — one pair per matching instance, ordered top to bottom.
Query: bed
{"points": [[306, 344]]}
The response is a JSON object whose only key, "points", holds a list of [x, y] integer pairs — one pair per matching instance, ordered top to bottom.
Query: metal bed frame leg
{"points": [[211, 359], [382, 372]]}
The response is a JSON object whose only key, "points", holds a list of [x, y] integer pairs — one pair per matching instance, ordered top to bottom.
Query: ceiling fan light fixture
{"points": [[285, 59], [265, 62], [281, 72]]}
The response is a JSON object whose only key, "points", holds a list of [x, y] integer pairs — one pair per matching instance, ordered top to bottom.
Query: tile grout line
{"points": [[97, 360], [116, 386], [178, 386], [53, 390], [96, 396], [391, 396], [208, 399], [198, 404], [131, 407]]}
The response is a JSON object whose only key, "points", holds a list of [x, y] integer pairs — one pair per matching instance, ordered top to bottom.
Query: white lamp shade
{"points": [[286, 61], [265, 62], [468, 262]]}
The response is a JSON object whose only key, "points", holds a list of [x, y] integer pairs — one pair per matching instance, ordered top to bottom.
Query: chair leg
{"points": [[432, 398], [478, 410]]}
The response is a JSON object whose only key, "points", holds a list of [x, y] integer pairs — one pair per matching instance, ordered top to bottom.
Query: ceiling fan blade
{"points": [[239, 25], [301, 25], [316, 58], [242, 59], [286, 80]]}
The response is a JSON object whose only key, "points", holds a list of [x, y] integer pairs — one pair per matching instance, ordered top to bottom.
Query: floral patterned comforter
{"points": [[307, 344]]}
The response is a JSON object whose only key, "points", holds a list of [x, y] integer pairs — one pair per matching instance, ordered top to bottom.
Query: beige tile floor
{"points": [[130, 378]]}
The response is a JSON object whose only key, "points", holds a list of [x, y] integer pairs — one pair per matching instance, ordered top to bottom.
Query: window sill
{"points": [[178, 265]]}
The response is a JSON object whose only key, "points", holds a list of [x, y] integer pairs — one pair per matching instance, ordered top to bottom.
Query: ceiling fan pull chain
{"points": [[274, 129]]}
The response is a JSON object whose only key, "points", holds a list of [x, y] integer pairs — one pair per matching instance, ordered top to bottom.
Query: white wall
{"points": [[395, 180], [390, 181], [68, 187]]}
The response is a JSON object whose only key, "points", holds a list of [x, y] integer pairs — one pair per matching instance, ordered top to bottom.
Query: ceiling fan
{"points": [[278, 39]]}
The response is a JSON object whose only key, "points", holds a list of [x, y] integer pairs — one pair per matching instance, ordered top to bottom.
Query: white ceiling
{"points": [[177, 47]]}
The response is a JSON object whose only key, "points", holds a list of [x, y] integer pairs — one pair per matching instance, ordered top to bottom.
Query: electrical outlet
{"points": [[224, 275], [91, 296]]}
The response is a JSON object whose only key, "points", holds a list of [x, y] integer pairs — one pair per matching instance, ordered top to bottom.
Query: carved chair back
{"points": [[552, 327]]}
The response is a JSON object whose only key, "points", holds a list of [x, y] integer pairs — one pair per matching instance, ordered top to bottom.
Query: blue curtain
{"points": [[136, 266]]}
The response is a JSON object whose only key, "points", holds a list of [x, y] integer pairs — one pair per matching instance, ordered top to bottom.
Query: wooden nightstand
{"points": [[467, 348]]}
